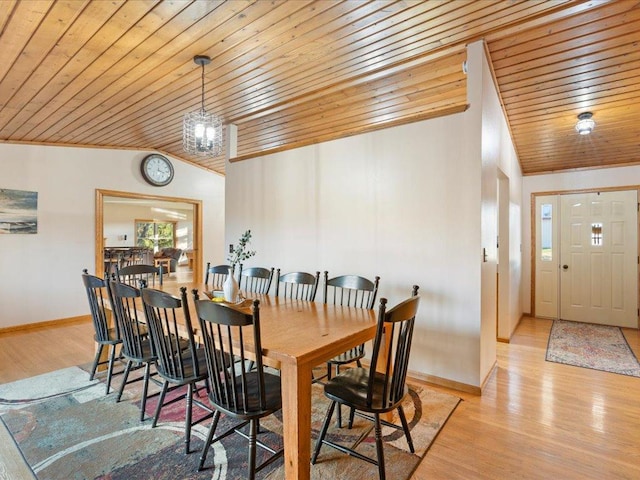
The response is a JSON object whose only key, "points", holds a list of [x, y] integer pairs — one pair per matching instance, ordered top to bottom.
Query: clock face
{"points": [[157, 169]]}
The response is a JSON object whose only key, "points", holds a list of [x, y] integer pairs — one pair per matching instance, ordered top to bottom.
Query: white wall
{"points": [[499, 166], [559, 182], [403, 203], [40, 274]]}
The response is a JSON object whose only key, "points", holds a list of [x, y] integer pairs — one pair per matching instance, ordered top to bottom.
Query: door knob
{"points": [[565, 267]]}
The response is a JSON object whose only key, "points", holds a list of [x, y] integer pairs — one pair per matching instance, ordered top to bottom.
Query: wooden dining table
{"points": [[296, 337]]}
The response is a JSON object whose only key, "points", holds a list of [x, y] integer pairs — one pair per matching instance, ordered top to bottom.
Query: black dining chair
{"points": [[134, 274], [217, 274], [255, 279], [297, 285], [352, 291], [104, 334], [136, 343], [179, 362], [379, 389], [238, 392]]}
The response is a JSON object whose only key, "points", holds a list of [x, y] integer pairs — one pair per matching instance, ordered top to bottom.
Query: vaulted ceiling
{"points": [[120, 74]]}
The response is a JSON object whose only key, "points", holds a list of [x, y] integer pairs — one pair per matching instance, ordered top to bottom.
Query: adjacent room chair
{"points": [[171, 255], [134, 274], [217, 274], [255, 279], [297, 285], [353, 291], [105, 335], [136, 344], [179, 361], [379, 389], [239, 393]]}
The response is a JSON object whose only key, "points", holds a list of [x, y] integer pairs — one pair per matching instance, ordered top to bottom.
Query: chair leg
{"points": [[112, 358], [96, 360], [125, 377], [165, 387], [145, 389], [352, 414], [187, 417], [339, 421], [405, 427], [253, 432], [323, 432], [207, 443], [379, 448]]}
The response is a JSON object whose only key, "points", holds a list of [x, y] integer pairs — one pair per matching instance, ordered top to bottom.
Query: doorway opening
{"points": [[185, 216]]}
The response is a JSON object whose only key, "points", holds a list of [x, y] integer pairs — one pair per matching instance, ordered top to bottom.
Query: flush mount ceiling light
{"points": [[585, 123], [202, 131]]}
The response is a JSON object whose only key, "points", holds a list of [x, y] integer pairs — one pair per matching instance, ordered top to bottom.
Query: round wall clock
{"points": [[157, 170]]}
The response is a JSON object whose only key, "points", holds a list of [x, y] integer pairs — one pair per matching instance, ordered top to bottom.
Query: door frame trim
{"points": [[197, 225], [534, 246]]}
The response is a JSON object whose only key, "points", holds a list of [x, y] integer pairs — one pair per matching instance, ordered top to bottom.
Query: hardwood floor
{"points": [[32, 352], [535, 420], [541, 420]]}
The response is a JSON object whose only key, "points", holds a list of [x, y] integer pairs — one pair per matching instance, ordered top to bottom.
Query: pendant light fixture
{"points": [[585, 123], [202, 131]]}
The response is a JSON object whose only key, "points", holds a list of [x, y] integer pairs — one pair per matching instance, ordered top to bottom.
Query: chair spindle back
{"points": [[297, 285], [167, 318], [397, 325]]}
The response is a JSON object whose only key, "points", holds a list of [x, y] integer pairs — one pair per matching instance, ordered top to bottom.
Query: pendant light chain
{"points": [[203, 87]]}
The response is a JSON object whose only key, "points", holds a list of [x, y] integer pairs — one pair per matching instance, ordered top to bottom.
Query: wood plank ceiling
{"points": [[119, 74]]}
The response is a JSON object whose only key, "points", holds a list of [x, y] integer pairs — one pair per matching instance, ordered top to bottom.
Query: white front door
{"points": [[599, 258]]}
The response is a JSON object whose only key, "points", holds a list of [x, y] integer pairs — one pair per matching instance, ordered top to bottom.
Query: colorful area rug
{"points": [[586, 345], [67, 428]]}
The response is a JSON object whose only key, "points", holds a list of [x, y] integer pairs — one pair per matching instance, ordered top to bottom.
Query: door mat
{"points": [[599, 347]]}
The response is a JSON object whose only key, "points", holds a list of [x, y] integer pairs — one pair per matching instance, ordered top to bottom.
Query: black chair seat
{"points": [[146, 355], [190, 373], [350, 388], [273, 398]]}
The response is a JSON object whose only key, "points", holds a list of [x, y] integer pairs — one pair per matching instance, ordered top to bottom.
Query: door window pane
{"points": [[546, 233], [596, 234]]}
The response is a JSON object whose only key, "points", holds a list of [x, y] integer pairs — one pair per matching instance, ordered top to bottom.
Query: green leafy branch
{"points": [[240, 252]]}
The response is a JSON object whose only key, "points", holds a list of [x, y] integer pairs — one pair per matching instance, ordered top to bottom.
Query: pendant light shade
{"points": [[585, 123], [202, 131]]}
